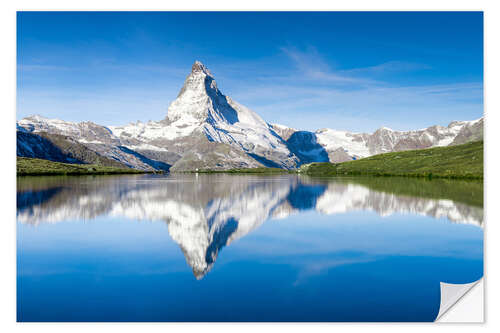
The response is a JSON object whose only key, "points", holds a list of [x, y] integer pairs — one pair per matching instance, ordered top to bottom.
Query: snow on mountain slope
{"points": [[201, 108], [206, 129], [471, 131], [84, 132], [145, 132], [96, 138], [386, 140], [353, 143], [344, 146], [342, 198], [198, 200]]}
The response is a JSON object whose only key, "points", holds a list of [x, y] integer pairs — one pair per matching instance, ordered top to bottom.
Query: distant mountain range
{"points": [[205, 129]]}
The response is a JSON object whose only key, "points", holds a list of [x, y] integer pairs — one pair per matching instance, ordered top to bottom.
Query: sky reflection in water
{"points": [[243, 248]]}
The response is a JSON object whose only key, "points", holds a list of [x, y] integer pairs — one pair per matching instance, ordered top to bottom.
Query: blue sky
{"points": [[355, 71]]}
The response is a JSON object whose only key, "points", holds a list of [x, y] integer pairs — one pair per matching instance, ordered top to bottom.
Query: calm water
{"points": [[243, 248]]}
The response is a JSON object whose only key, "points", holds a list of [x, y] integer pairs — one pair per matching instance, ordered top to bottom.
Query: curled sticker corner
{"points": [[451, 293]]}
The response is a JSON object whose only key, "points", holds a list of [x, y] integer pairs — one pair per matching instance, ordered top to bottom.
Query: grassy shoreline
{"points": [[455, 162], [39, 167], [468, 191]]}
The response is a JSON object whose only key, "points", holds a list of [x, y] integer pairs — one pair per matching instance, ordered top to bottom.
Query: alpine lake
{"points": [[229, 247]]}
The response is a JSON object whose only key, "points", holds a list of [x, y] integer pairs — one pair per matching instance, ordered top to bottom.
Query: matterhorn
{"points": [[205, 129]]}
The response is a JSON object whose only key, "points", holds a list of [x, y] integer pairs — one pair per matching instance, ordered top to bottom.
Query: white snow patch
{"points": [[333, 139]]}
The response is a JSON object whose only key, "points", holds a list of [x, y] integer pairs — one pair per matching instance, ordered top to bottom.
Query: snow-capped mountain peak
{"points": [[199, 67], [191, 103], [201, 106], [204, 128]]}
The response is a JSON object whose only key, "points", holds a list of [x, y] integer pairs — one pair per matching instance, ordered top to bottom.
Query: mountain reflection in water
{"points": [[204, 213]]}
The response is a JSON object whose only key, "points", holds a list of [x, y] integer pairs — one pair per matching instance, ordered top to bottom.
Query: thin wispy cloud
{"points": [[311, 65], [393, 66], [328, 73], [357, 102]]}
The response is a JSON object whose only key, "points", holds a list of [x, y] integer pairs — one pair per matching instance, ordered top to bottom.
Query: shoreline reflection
{"points": [[204, 213]]}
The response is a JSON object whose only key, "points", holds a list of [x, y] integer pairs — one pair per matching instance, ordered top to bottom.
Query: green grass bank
{"points": [[453, 162], [34, 167]]}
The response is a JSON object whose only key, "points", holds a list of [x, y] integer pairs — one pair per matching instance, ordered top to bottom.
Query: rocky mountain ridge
{"points": [[205, 129]]}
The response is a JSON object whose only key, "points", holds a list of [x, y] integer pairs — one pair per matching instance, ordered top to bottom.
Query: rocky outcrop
{"points": [[470, 132], [214, 156]]}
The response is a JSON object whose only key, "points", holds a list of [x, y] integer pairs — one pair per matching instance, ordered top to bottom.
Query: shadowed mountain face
{"points": [[205, 129], [32, 145], [305, 145], [60, 148], [65, 149], [205, 213]]}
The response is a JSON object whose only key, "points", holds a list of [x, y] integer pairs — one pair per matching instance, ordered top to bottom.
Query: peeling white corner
{"points": [[461, 302]]}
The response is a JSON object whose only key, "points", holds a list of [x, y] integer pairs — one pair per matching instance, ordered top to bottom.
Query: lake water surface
{"points": [[243, 248]]}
